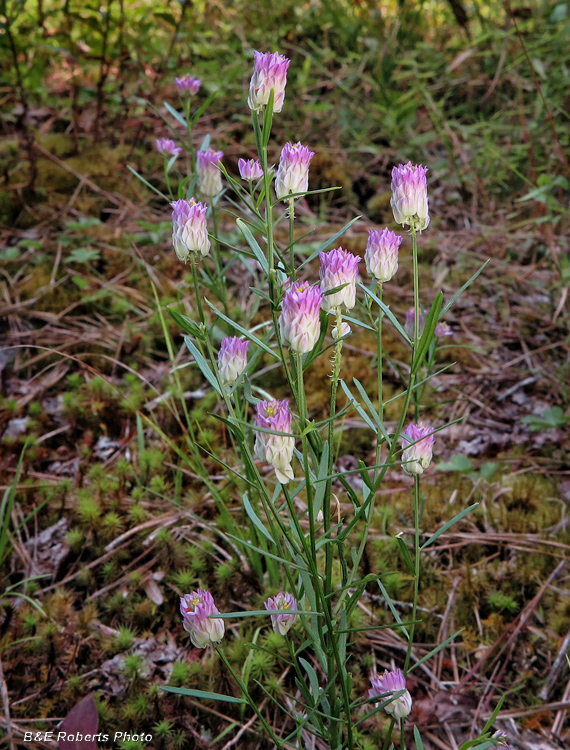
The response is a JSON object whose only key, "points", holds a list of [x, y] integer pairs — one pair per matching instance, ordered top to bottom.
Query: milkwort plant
{"points": [[296, 551]]}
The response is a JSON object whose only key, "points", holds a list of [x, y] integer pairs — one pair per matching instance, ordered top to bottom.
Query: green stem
{"points": [[186, 102], [166, 177], [292, 271], [197, 288], [221, 288], [417, 311], [380, 365], [416, 501], [252, 704], [389, 734]]}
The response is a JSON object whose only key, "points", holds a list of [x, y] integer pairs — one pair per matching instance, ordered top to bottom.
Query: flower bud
{"points": [[269, 72], [187, 85], [167, 146], [250, 169], [293, 171], [209, 175], [409, 195], [189, 230], [382, 254], [339, 267], [299, 321], [345, 329], [232, 359], [277, 450], [417, 457], [196, 609], [282, 623], [386, 685]]}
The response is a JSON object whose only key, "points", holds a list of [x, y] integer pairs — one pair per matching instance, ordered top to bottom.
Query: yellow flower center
{"points": [[270, 411], [195, 601], [285, 605]]}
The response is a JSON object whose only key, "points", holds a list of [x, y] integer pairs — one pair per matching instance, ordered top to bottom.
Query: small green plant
{"points": [[552, 417]]}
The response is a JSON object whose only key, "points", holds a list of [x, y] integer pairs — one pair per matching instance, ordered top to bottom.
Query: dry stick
{"points": [[443, 629], [552, 678], [561, 714]]}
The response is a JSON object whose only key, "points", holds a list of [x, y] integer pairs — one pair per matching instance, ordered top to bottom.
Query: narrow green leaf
{"points": [[200, 111], [177, 116], [268, 118], [151, 187], [329, 242], [254, 245], [464, 287], [388, 313], [185, 323], [243, 331], [428, 334], [202, 364], [357, 406], [372, 410], [255, 519], [449, 524], [406, 555], [392, 608], [437, 649], [205, 695], [494, 715], [418, 739]]}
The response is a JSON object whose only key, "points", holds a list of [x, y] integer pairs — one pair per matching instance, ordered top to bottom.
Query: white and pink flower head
{"points": [[269, 72], [187, 85], [167, 146], [250, 170], [293, 172], [209, 175], [409, 195], [189, 230], [382, 254], [339, 267], [299, 322], [232, 359], [276, 449], [417, 457], [196, 609], [282, 623], [386, 685]]}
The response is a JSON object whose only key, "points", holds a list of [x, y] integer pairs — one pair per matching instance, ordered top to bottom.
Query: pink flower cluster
{"points": [[269, 72], [187, 85], [167, 146], [250, 169], [293, 172], [209, 175], [409, 195], [189, 230], [382, 254], [339, 267], [299, 322], [232, 359], [276, 449], [417, 457], [196, 609], [282, 623], [386, 685]]}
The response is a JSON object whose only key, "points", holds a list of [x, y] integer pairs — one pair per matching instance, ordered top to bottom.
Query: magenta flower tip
{"points": [[187, 85], [167, 146], [250, 169], [293, 172], [209, 175], [409, 196], [382, 254], [339, 267], [299, 322], [232, 359], [276, 449], [417, 457], [196, 609], [282, 623], [385, 685]]}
